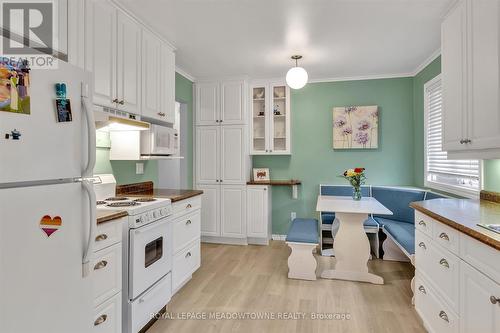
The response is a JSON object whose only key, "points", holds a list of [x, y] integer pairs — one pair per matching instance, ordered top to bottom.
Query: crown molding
{"points": [[427, 61], [185, 74], [361, 77]]}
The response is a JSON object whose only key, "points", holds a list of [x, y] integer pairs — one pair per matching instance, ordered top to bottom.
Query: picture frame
{"points": [[356, 127], [261, 174]]}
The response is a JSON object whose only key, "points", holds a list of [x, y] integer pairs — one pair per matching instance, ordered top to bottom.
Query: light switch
{"points": [[139, 168]]}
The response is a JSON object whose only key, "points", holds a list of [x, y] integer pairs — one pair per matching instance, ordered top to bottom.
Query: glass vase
{"points": [[356, 193]]}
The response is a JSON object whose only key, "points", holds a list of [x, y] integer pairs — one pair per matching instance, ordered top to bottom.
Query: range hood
{"points": [[116, 120]]}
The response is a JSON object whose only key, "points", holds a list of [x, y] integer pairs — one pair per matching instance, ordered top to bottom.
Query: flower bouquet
{"points": [[356, 178]]}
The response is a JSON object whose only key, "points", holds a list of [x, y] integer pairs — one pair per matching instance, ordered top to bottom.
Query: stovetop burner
{"points": [[116, 199], [144, 199], [100, 202], [123, 204]]}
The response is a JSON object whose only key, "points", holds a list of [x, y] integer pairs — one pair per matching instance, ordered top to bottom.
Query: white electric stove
{"points": [[147, 252]]}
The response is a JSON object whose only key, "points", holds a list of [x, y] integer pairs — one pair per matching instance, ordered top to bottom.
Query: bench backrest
{"points": [[398, 201]]}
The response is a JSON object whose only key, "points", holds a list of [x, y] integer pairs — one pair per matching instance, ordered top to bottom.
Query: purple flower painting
{"points": [[355, 127]]}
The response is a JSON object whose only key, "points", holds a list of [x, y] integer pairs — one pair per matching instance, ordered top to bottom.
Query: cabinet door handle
{"points": [[115, 100], [121, 102], [161, 114], [217, 121], [220, 121], [462, 141], [468, 141], [220, 180], [188, 206], [188, 222], [422, 223], [444, 236], [101, 237], [422, 245], [188, 254], [443, 262], [100, 264], [422, 289], [495, 300], [444, 316], [100, 320]]}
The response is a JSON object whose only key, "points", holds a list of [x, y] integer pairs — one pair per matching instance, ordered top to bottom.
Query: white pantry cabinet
{"points": [[471, 72], [220, 103], [270, 119], [224, 212], [259, 219]]}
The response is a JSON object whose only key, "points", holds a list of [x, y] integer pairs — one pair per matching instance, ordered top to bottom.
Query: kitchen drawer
{"points": [[186, 206], [424, 223], [186, 229], [108, 233], [447, 237], [480, 256], [186, 262], [440, 267], [107, 273], [151, 302], [436, 315], [108, 316]]}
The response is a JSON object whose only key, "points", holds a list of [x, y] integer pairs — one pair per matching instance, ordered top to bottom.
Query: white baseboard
{"points": [[278, 237], [224, 240]]}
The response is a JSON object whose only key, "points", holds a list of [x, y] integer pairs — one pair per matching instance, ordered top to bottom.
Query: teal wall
{"points": [[313, 160], [124, 171], [491, 175]]}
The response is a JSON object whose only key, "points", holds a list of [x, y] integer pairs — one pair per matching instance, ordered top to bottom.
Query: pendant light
{"points": [[296, 77]]}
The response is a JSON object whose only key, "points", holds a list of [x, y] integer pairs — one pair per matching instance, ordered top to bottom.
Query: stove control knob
{"points": [[160, 212], [154, 215], [142, 219]]}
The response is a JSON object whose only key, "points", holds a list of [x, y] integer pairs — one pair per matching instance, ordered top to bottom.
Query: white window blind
{"points": [[456, 176]]}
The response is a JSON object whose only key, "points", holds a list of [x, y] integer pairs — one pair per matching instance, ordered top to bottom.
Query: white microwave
{"points": [[159, 141]]}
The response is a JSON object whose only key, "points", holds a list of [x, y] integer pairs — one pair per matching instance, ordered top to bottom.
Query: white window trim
{"points": [[468, 193]]}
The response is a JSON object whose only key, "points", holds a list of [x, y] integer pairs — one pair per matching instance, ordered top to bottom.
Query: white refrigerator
{"points": [[47, 207]]}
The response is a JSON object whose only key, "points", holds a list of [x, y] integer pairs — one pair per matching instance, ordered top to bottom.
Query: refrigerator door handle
{"points": [[89, 116], [87, 252]]}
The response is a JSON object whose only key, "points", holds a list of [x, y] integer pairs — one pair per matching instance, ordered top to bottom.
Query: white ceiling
{"points": [[338, 38]]}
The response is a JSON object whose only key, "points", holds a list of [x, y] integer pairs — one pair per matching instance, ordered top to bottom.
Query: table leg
{"points": [[352, 251]]}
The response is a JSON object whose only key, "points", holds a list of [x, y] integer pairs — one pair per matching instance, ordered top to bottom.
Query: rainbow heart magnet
{"points": [[50, 225]]}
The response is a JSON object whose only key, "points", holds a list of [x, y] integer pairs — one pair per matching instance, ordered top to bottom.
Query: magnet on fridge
{"points": [[61, 90], [63, 110], [16, 135], [50, 225]]}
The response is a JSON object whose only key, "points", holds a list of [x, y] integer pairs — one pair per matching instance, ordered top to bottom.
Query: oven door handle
{"points": [[88, 186]]}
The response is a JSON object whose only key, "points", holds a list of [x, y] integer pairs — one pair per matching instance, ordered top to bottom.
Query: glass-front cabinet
{"points": [[270, 119]]}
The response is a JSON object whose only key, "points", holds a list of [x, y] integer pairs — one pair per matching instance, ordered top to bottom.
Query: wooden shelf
{"points": [[291, 182]]}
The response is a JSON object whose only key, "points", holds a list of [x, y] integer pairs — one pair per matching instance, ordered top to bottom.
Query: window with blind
{"points": [[461, 177]]}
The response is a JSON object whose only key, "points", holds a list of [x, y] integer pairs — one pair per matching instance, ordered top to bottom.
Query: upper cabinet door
{"points": [[100, 50], [453, 53], [128, 64], [151, 68], [167, 84], [233, 103], [207, 104], [279, 115], [484, 116], [259, 122], [207, 154], [233, 154]]}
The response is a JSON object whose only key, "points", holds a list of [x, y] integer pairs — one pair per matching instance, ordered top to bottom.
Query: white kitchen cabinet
{"points": [[75, 23], [100, 48], [151, 55], [470, 71], [128, 74], [167, 84], [207, 103], [232, 110], [271, 119], [221, 155], [233, 211], [210, 214], [259, 218], [480, 301]]}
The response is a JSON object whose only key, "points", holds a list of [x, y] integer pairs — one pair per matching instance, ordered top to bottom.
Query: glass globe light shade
{"points": [[296, 77]]}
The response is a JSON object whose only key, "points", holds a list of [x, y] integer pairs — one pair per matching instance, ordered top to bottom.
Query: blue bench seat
{"points": [[303, 230], [403, 233]]}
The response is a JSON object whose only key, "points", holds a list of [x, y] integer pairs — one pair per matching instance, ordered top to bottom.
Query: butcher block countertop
{"points": [[109, 215], [464, 215]]}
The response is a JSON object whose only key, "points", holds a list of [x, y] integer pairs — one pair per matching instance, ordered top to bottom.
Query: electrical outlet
{"points": [[139, 168], [293, 216]]}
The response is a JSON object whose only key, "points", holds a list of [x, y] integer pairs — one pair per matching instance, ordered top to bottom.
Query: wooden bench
{"points": [[302, 238]]}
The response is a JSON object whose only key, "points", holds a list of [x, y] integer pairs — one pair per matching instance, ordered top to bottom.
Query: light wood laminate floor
{"points": [[254, 279]]}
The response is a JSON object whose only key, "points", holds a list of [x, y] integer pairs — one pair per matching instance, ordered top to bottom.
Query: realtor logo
{"points": [[28, 27]]}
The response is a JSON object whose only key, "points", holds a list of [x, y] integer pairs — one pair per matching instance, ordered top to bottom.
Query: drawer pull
{"points": [[188, 206], [188, 222], [422, 223], [444, 236], [101, 237], [422, 245], [188, 254], [444, 262], [100, 264], [422, 289], [494, 300], [444, 316], [100, 320]]}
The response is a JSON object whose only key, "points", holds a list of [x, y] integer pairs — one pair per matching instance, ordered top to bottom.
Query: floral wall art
{"points": [[355, 127]]}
